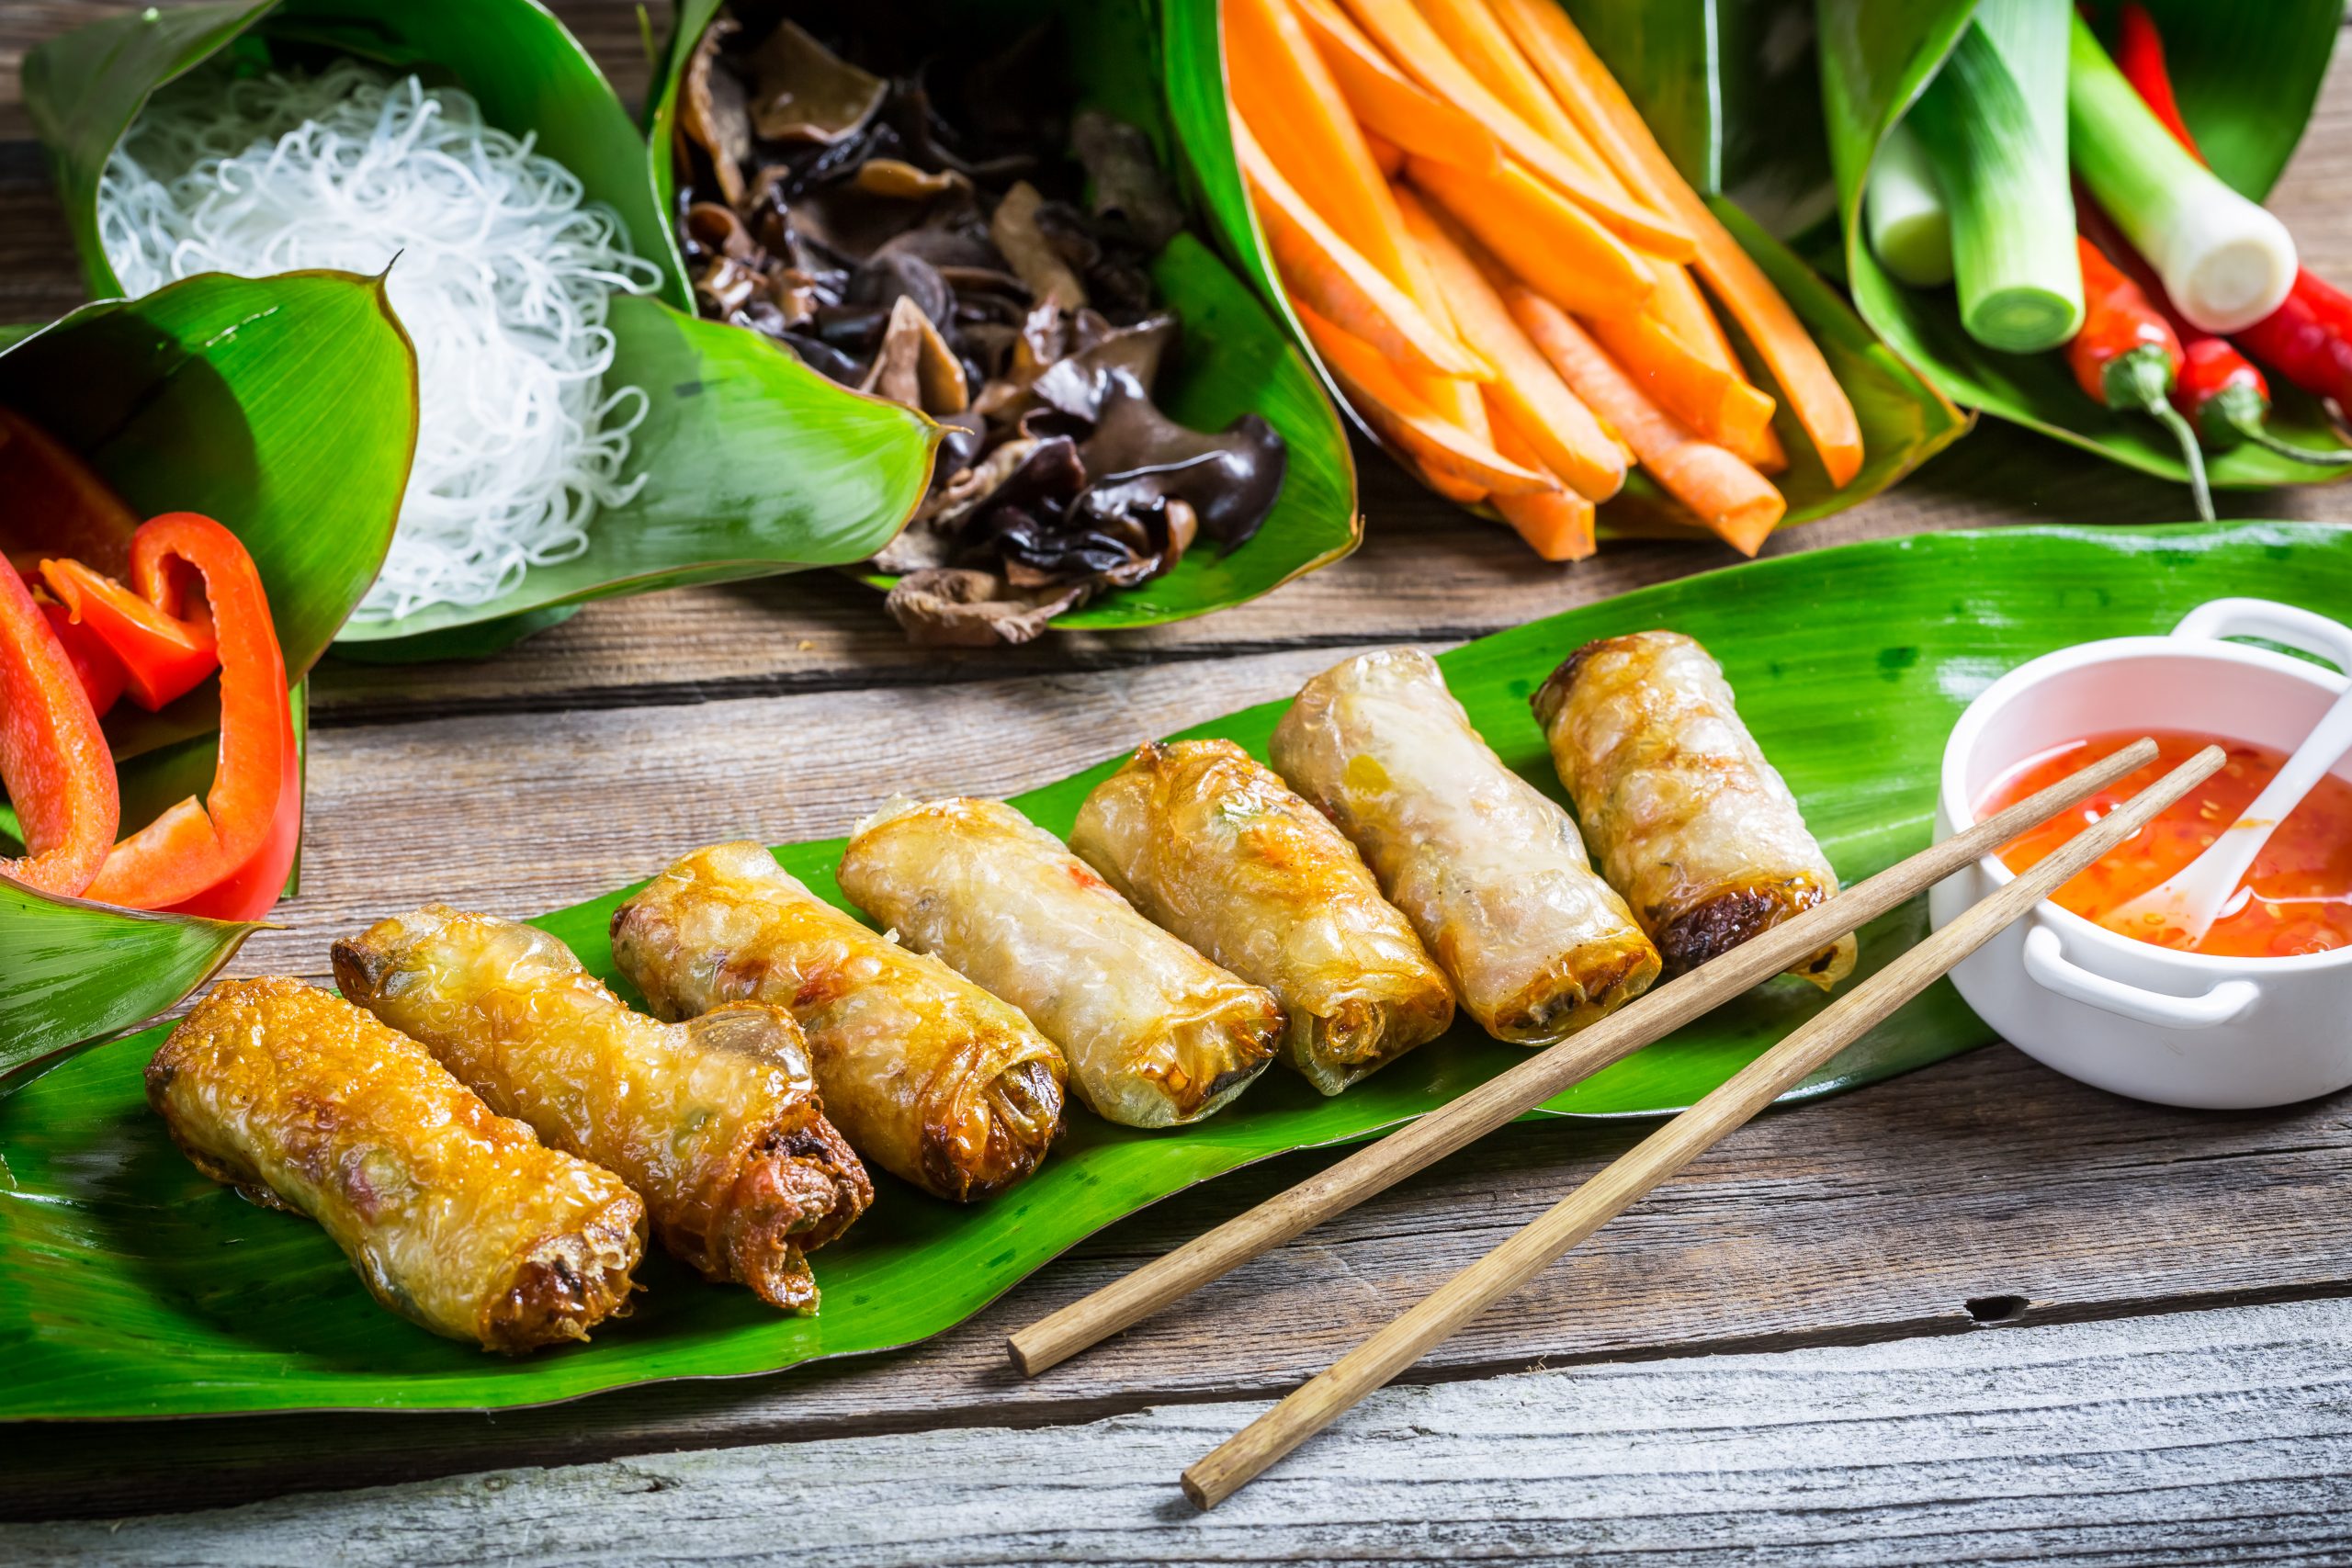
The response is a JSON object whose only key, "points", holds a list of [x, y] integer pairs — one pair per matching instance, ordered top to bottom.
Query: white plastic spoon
{"points": [[2192, 898]]}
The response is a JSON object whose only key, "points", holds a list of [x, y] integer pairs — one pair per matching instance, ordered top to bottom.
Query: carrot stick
{"points": [[1479, 41], [1415, 46], [1390, 104], [1608, 117], [1386, 156], [1546, 240], [1321, 268], [1376, 391], [1720, 407], [1561, 430], [1728, 496], [1556, 524]]}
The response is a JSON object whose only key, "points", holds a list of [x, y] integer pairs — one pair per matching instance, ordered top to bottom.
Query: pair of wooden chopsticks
{"points": [[1235, 1463]]}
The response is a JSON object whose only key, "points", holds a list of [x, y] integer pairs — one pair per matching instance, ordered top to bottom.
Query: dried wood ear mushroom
{"points": [[907, 208]]}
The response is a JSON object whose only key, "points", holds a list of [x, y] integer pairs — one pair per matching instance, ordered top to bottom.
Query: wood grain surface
{"points": [[592, 755], [2201, 1438]]}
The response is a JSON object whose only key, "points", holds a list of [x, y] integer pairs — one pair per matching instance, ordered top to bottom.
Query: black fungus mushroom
{"points": [[904, 211]]}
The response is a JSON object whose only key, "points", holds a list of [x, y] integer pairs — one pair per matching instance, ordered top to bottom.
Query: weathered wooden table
{"points": [[1980, 1311]]}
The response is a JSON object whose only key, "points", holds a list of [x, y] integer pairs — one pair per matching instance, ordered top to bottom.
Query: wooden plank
{"points": [[2203, 1438]]}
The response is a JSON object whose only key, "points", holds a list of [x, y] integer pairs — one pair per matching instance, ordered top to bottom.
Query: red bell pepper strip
{"points": [[2309, 338], [2126, 357], [56, 504], [163, 656], [94, 664], [52, 758], [193, 848]]}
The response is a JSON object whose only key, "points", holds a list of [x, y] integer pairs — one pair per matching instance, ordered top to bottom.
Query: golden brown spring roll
{"points": [[1691, 823], [1211, 844], [1487, 867], [1154, 1033], [927, 1075], [716, 1122], [457, 1218]]}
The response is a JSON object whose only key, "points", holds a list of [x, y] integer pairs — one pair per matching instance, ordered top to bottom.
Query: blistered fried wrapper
{"points": [[1691, 823], [1211, 844], [1489, 869], [1154, 1033], [927, 1075], [715, 1122], [457, 1218]]}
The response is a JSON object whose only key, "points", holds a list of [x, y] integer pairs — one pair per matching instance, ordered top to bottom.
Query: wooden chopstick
{"points": [[1376, 1166], [1235, 1463]]}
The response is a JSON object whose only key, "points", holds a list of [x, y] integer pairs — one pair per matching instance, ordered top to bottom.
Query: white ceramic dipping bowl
{"points": [[2177, 1028]]}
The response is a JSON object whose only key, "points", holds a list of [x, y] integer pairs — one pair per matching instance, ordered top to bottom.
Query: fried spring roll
{"points": [[1691, 823], [1214, 846], [1490, 869], [1155, 1034], [927, 1075], [715, 1121], [457, 1218]]}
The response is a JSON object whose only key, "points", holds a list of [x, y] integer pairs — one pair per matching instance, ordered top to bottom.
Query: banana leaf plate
{"points": [[1668, 56], [2247, 77], [1232, 358], [130, 1286]]}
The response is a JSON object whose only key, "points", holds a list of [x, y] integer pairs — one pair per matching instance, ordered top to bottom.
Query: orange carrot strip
{"points": [[1479, 40], [1414, 45], [1390, 104], [1602, 111], [1386, 156], [1547, 241], [1325, 271], [1376, 391], [1723, 409], [1563, 432], [1728, 496], [1556, 524]]}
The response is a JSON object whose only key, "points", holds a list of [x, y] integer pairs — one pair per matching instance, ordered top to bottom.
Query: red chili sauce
{"points": [[2298, 898]]}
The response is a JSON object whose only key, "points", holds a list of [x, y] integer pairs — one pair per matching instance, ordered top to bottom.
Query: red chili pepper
{"points": [[2309, 338], [2126, 357], [2220, 391], [163, 656], [52, 758], [228, 856]]}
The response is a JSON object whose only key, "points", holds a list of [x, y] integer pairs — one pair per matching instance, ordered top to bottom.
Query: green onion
{"points": [[1992, 125], [1910, 226], [2226, 263]]}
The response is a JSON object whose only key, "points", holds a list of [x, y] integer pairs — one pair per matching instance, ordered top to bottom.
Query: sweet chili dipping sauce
{"points": [[2298, 898]]}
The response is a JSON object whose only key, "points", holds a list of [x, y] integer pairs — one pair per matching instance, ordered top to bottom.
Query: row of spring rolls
{"points": [[1208, 915]]}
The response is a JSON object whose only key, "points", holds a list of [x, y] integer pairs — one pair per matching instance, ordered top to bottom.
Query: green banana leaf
{"points": [[1667, 60], [2246, 76], [1232, 359], [205, 396], [755, 464], [131, 1286]]}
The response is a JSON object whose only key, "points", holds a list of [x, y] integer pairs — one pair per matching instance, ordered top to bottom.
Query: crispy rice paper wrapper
{"points": [[1691, 823], [1211, 844], [1489, 869], [1154, 1033], [927, 1075], [715, 1122], [457, 1218]]}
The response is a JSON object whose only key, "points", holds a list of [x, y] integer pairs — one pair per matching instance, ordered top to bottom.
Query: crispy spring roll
{"points": [[1691, 823], [1214, 847], [1488, 868], [1155, 1034], [927, 1075], [715, 1122], [457, 1218]]}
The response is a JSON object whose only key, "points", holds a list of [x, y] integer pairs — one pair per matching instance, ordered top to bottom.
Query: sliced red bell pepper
{"points": [[163, 656], [94, 664], [52, 758], [228, 840]]}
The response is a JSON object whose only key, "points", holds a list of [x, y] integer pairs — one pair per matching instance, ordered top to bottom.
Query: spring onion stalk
{"points": [[1992, 125], [1910, 226], [2225, 261]]}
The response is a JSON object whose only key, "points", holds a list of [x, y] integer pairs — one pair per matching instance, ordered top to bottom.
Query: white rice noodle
{"points": [[502, 279]]}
